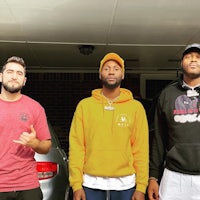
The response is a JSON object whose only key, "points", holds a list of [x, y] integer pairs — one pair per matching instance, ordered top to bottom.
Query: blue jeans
{"points": [[95, 194]]}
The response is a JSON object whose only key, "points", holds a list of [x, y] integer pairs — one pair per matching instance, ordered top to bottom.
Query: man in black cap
{"points": [[175, 150]]}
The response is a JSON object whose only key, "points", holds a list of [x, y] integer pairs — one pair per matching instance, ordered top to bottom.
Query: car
{"points": [[53, 171]]}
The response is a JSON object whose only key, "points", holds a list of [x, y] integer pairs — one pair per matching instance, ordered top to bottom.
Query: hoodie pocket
{"points": [[185, 157]]}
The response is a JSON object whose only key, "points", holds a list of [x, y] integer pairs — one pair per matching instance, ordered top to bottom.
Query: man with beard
{"points": [[23, 131], [108, 141], [175, 150]]}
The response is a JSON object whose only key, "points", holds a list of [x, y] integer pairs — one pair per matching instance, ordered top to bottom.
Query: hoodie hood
{"points": [[125, 95]]}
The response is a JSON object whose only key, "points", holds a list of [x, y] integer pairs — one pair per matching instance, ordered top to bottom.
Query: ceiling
{"points": [[149, 34]]}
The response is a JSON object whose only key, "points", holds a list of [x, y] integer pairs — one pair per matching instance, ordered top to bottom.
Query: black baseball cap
{"points": [[192, 48]]}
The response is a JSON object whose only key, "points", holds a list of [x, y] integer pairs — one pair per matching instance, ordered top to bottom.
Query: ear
{"points": [[181, 64], [99, 76], [123, 76], [1, 77], [24, 81]]}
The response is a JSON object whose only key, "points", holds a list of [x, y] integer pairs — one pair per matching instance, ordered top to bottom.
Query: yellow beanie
{"points": [[112, 56]]}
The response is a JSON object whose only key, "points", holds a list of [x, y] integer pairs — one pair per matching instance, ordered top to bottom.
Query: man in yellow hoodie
{"points": [[108, 141]]}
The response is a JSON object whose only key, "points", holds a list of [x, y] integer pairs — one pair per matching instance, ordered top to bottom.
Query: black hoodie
{"points": [[176, 137]]}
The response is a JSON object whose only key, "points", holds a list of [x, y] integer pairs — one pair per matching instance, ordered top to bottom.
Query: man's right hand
{"points": [[153, 189], [79, 195]]}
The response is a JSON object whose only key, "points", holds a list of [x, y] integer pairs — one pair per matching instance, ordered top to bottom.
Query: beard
{"points": [[191, 75], [110, 86], [11, 89]]}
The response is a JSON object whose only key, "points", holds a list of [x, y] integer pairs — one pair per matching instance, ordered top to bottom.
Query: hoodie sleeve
{"points": [[158, 146], [140, 149], [76, 150]]}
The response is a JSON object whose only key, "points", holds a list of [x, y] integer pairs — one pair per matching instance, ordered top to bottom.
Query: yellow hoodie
{"points": [[109, 143]]}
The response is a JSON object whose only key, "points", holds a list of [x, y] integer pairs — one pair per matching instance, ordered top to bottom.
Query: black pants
{"points": [[34, 194]]}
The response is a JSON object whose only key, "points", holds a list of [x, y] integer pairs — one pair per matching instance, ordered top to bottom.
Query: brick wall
{"points": [[59, 94]]}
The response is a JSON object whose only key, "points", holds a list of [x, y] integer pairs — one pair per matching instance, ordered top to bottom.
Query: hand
{"points": [[28, 139], [152, 190], [79, 195], [137, 195]]}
